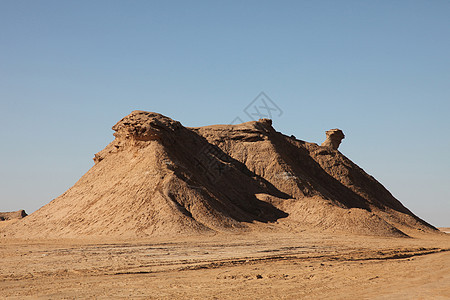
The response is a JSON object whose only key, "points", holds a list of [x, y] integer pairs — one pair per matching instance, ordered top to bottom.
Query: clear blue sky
{"points": [[379, 70]]}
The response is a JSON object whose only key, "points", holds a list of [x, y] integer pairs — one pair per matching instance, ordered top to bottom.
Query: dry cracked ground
{"points": [[267, 265]]}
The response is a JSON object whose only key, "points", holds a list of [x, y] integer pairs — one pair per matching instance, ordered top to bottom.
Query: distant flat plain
{"points": [[255, 265]]}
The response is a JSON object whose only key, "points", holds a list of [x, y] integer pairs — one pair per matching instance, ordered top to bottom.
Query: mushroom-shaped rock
{"points": [[334, 138]]}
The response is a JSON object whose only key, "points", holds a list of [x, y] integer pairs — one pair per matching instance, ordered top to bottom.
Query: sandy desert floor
{"points": [[247, 266]]}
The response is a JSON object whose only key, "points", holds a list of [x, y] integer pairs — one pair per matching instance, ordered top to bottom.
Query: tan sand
{"points": [[246, 266]]}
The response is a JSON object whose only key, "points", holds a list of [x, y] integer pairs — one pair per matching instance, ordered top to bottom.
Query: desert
{"points": [[224, 149], [222, 212], [255, 266]]}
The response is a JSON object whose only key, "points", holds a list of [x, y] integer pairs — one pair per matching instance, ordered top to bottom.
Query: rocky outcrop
{"points": [[143, 126], [137, 127], [334, 138], [5, 216]]}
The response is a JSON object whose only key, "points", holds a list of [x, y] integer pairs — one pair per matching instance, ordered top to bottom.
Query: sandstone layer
{"points": [[6, 216]]}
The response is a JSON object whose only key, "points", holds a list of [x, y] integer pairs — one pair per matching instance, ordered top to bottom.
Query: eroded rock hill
{"points": [[160, 178]]}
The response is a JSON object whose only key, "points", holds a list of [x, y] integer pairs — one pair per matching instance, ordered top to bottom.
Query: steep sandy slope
{"points": [[160, 178]]}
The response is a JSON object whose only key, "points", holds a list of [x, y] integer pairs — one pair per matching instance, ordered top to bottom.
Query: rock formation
{"points": [[334, 138], [160, 178], [5, 216]]}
